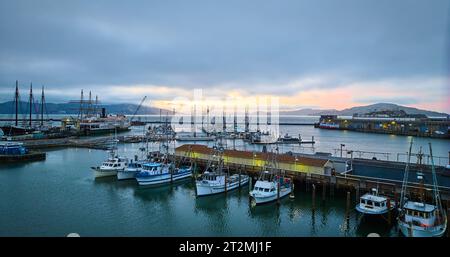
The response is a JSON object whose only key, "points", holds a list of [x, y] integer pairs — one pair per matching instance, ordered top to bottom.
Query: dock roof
{"points": [[285, 158]]}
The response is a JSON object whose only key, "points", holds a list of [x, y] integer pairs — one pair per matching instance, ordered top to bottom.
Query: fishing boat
{"points": [[113, 164], [110, 167], [163, 170], [130, 171], [157, 173], [215, 181], [269, 188], [374, 204], [418, 218]]}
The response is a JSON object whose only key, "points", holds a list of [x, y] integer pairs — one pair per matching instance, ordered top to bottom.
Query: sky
{"points": [[311, 54]]}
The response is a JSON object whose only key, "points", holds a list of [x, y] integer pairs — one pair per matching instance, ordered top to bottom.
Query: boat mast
{"points": [[16, 100], [31, 103], [81, 106], [42, 107], [405, 176], [436, 196]]}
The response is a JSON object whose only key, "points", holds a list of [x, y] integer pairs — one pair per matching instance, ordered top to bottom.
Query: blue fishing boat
{"points": [[156, 173]]}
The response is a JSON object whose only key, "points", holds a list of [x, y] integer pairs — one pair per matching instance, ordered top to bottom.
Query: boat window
{"points": [[115, 165], [256, 188], [273, 189], [266, 190], [369, 202], [377, 204], [426, 215]]}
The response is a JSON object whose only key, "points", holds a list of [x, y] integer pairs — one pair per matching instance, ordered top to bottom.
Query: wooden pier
{"points": [[306, 173]]}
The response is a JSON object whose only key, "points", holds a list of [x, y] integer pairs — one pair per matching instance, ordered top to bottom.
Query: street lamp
{"points": [[342, 145]]}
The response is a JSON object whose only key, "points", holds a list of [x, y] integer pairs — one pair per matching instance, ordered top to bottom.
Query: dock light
{"points": [[393, 122]]}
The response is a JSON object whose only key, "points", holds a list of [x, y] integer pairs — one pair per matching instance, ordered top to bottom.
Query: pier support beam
{"points": [[226, 182], [324, 190], [278, 191], [292, 196], [313, 196], [347, 210]]}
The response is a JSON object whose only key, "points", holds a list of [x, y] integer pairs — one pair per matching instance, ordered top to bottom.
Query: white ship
{"points": [[110, 167], [130, 171], [215, 181], [269, 188], [374, 204]]}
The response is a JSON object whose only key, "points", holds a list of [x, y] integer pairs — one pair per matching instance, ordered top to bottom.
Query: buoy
{"points": [[73, 235], [373, 235]]}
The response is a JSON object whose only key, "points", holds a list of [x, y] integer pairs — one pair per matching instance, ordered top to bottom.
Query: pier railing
{"points": [[387, 156]]}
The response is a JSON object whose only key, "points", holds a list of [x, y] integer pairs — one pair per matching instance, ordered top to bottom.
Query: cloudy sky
{"points": [[318, 53]]}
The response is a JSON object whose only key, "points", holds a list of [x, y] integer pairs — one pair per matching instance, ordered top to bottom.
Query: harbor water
{"points": [[59, 196]]}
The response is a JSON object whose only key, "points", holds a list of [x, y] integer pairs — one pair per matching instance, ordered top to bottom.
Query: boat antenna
{"points": [[405, 176]]}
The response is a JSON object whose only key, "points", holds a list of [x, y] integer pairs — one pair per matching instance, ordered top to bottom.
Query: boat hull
{"points": [[99, 173], [123, 175], [163, 178], [205, 189], [259, 200], [418, 231]]}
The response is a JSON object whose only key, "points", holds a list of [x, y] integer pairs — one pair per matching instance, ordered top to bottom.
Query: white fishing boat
{"points": [[110, 167], [130, 171], [156, 173], [214, 180], [211, 183], [269, 188], [374, 204], [418, 218], [422, 220]]}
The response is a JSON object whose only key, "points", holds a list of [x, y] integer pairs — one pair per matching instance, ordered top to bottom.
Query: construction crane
{"points": [[135, 112]]}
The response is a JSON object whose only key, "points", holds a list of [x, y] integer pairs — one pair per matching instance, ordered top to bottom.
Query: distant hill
{"points": [[73, 108], [365, 109]]}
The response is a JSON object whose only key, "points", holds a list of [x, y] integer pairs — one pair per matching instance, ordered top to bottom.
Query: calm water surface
{"points": [[59, 196]]}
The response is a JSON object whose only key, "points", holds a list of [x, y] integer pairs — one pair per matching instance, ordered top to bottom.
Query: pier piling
{"points": [[226, 182], [324, 189], [278, 193], [292, 196], [313, 196], [347, 211], [389, 211]]}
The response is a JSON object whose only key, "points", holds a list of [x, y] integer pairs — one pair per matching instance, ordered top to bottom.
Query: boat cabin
{"points": [[115, 162], [135, 165], [373, 201], [420, 214]]}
